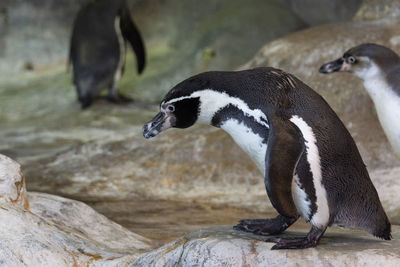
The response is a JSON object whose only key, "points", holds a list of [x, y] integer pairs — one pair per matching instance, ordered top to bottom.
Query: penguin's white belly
{"points": [[121, 44], [387, 105], [389, 116], [249, 142], [301, 200]]}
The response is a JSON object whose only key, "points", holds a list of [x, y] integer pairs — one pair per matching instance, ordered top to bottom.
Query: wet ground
{"points": [[164, 221]]}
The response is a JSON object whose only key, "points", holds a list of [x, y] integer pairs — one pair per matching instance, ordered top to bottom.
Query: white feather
{"points": [[121, 43], [387, 103], [250, 142], [300, 199], [321, 217]]}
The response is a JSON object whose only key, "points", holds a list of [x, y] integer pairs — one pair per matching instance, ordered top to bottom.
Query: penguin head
{"points": [[363, 60], [180, 108]]}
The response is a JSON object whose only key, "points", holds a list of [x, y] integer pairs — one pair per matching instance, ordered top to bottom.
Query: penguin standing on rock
{"points": [[98, 46], [379, 67], [311, 165]]}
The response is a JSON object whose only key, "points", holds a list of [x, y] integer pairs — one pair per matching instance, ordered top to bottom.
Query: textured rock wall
{"points": [[378, 9], [316, 12], [54, 231]]}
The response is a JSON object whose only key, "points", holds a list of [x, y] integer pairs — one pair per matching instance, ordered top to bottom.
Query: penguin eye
{"points": [[351, 59], [170, 108]]}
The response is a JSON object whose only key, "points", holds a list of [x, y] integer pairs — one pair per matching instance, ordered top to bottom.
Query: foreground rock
{"points": [[54, 231], [222, 246]]}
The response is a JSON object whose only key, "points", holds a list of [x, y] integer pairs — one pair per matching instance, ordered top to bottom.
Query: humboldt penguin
{"points": [[97, 50], [379, 68], [311, 165]]}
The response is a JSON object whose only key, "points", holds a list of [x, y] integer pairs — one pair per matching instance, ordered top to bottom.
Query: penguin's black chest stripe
{"points": [[233, 112], [249, 134]]}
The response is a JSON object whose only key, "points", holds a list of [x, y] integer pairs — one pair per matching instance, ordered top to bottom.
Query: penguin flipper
{"points": [[132, 34], [285, 147]]}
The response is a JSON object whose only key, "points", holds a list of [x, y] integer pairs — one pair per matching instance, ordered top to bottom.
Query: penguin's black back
{"points": [[94, 40], [352, 198]]}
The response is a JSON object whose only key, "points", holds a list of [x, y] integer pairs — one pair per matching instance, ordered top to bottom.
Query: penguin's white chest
{"points": [[387, 105], [249, 142]]}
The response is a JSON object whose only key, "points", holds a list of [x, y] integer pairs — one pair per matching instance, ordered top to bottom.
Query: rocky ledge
{"points": [[38, 229], [223, 246]]}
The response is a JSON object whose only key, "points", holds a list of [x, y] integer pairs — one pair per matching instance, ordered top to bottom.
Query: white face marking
{"points": [[121, 42], [212, 101], [387, 103], [250, 142], [300, 198], [321, 216]]}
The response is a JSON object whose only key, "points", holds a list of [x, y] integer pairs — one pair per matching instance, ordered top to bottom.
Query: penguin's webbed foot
{"points": [[265, 226], [309, 241], [291, 243]]}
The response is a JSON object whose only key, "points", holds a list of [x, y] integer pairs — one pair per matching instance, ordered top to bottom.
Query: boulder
{"points": [[378, 9], [317, 12], [184, 38], [303, 52], [54, 231], [222, 246]]}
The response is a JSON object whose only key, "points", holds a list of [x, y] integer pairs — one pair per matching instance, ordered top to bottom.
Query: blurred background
{"points": [[183, 179]]}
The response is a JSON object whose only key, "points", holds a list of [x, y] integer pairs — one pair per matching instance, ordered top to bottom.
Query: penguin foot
{"points": [[119, 99], [265, 226], [311, 240], [292, 243]]}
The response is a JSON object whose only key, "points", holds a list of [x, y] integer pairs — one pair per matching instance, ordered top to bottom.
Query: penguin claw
{"points": [[292, 243]]}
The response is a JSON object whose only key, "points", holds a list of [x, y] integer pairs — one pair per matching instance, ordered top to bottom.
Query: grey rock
{"points": [[378, 9], [317, 12], [54, 231], [222, 246]]}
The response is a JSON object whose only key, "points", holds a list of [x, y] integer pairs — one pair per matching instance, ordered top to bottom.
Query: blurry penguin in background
{"points": [[98, 46]]}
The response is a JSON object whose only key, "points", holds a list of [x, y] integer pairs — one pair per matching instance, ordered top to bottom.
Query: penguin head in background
{"points": [[363, 61], [180, 108]]}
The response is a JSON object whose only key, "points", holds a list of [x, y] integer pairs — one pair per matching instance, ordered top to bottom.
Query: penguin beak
{"points": [[334, 66], [161, 122]]}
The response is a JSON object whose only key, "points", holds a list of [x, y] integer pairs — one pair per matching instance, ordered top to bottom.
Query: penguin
{"points": [[98, 46], [379, 68], [310, 163]]}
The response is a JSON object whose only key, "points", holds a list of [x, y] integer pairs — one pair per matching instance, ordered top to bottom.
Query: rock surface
{"points": [[377, 9], [317, 12], [184, 38], [200, 163], [12, 183], [54, 231], [222, 246]]}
